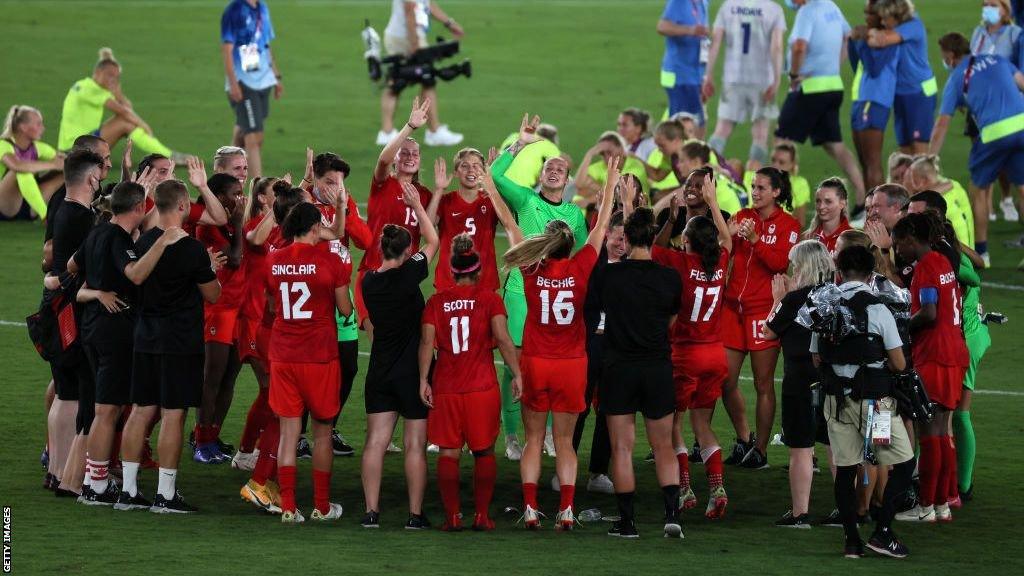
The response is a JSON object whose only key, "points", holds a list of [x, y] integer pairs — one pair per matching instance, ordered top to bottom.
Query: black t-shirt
{"points": [[51, 210], [71, 225], [101, 261], [639, 297], [170, 304], [395, 305], [592, 305], [798, 368]]}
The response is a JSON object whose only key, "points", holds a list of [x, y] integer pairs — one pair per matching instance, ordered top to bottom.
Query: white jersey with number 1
{"points": [[748, 26]]}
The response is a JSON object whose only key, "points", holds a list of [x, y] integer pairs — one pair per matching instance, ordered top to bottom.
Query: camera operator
{"points": [[405, 34], [857, 373]]}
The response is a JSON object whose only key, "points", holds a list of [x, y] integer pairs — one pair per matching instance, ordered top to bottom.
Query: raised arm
{"points": [[417, 118], [441, 182], [584, 183], [513, 193], [710, 193], [411, 196], [604, 214], [214, 215], [505, 216], [664, 237]]}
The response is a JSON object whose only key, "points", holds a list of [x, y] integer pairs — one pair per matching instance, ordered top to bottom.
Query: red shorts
{"points": [[361, 313], [219, 324], [745, 332], [247, 338], [698, 370], [554, 384], [944, 384], [298, 386], [470, 419]]}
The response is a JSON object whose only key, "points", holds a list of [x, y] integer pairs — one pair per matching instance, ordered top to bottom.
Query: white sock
{"points": [[682, 450], [707, 453], [99, 468], [130, 477], [87, 481], [166, 486]]}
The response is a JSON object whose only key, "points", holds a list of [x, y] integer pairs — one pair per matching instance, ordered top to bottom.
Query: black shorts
{"points": [[252, 109], [811, 115], [348, 356], [111, 364], [65, 380], [170, 381], [632, 386], [395, 394], [803, 422]]}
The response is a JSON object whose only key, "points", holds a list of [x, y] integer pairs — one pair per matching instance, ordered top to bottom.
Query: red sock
{"points": [[254, 422], [213, 432], [197, 434], [266, 463], [713, 468], [928, 469], [684, 470], [485, 473], [286, 474], [947, 477], [448, 484], [322, 490], [566, 494], [530, 495]]}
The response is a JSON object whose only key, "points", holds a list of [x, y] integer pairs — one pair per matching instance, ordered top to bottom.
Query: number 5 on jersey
{"points": [[293, 310]]}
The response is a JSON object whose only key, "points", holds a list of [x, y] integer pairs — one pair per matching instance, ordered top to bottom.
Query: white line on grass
{"points": [[999, 286], [748, 378]]}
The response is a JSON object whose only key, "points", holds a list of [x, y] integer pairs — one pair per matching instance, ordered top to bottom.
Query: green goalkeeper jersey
{"points": [[533, 212]]}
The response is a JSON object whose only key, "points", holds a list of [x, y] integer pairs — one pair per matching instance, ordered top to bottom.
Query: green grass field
{"points": [[577, 63]]}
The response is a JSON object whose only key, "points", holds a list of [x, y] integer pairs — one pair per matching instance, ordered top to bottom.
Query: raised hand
{"points": [[419, 113], [528, 129], [492, 153], [126, 156], [614, 170], [196, 172], [441, 177], [709, 192], [410, 195], [748, 231], [879, 235], [217, 259], [780, 286]]}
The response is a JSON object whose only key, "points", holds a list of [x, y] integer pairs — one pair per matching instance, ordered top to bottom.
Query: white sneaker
{"points": [[384, 137], [442, 137], [1009, 210], [992, 217], [986, 259], [549, 444], [393, 448], [433, 448], [513, 451], [245, 460], [555, 484], [600, 484], [333, 513], [943, 513], [918, 514], [292, 517], [531, 518], [565, 520]]}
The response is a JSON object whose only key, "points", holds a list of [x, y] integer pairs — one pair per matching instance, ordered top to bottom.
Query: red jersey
{"points": [[387, 207], [195, 212], [476, 218], [356, 230], [829, 240], [275, 241], [254, 260], [303, 279], [232, 280], [749, 286], [555, 293], [701, 298], [461, 317], [943, 341]]}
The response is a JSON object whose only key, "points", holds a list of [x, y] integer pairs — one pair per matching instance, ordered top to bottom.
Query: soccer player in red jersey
{"points": [[155, 168], [386, 205], [464, 211], [829, 214], [762, 238], [308, 283], [395, 305], [250, 316], [465, 323], [554, 356], [940, 356], [222, 365], [699, 367]]}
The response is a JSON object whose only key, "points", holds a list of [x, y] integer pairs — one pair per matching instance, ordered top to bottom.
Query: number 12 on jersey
{"points": [[293, 310]]}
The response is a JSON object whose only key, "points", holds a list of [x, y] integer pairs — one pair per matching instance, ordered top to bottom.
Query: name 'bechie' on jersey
{"points": [[555, 293]]}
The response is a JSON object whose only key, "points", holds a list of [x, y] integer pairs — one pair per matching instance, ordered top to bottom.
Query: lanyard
{"points": [[995, 40], [967, 75]]}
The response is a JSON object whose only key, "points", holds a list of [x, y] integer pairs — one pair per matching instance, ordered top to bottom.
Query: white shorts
{"points": [[400, 44], [742, 102]]}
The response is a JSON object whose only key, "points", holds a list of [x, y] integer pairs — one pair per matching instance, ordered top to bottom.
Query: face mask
{"points": [[791, 5], [990, 14]]}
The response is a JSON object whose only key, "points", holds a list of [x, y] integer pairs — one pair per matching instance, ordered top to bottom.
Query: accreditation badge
{"points": [[250, 57]]}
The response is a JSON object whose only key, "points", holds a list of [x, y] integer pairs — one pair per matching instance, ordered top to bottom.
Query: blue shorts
{"points": [[686, 98], [867, 115], [914, 118], [987, 161]]}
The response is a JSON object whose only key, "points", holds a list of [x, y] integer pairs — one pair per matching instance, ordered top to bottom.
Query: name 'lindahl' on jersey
{"points": [[294, 270]]}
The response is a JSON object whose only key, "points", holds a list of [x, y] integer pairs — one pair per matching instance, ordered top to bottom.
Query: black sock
{"points": [[895, 489], [671, 495], [625, 500], [846, 501]]}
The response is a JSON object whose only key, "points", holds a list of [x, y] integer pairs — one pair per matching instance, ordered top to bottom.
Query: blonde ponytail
{"points": [[106, 58], [16, 115], [556, 241]]}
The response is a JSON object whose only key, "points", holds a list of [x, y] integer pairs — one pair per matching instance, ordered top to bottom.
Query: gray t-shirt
{"points": [[748, 26], [880, 321]]}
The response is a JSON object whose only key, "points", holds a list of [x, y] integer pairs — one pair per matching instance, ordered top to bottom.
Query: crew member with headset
{"points": [[858, 373]]}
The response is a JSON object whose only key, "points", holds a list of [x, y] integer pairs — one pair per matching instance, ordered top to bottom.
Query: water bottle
{"points": [[590, 515]]}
